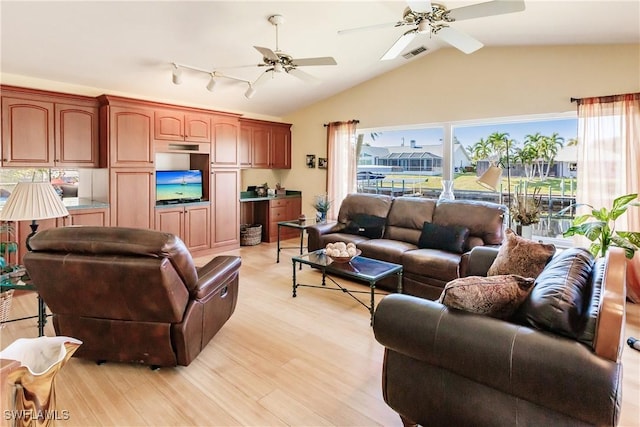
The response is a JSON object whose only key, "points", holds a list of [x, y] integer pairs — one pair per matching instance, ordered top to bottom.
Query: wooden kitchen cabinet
{"points": [[178, 125], [45, 129], [27, 133], [76, 135], [130, 136], [265, 145], [280, 147], [225, 150], [132, 197], [225, 208], [276, 210], [98, 217], [190, 223]]}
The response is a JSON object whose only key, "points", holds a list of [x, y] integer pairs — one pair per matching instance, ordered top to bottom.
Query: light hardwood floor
{"points": [[305, 361]]}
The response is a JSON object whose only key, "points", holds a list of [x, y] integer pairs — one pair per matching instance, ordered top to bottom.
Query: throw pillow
{"points": [[370, 226], [448, 238], [521, 256], [494, 296], [559, 299]]}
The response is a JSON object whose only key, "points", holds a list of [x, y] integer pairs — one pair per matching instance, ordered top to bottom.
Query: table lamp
{"points": [[33, 201]]}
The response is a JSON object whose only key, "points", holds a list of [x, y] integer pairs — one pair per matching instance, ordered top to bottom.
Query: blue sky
{"points": [[469, 135]]}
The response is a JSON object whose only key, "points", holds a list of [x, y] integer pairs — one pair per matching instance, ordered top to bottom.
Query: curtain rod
{"points": [[606, 98], [338, 123]]}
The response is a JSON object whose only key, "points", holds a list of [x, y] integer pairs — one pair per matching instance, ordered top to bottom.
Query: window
{"points": [[542, 157]]}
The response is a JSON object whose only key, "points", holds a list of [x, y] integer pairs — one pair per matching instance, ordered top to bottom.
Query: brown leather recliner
{"points": [[131, 295]]}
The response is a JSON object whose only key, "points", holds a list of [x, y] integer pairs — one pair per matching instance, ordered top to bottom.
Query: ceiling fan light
{"points": [[424, 27], [277, 67], [176, 75], [212, 84], [250, 92]]}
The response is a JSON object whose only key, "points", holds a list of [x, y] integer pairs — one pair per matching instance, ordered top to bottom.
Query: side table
{"points": [[299, 225], [17, 284]]}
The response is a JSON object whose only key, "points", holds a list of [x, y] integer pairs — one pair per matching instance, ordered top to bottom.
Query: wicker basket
{"points": [[250, 234], [5, 306]]}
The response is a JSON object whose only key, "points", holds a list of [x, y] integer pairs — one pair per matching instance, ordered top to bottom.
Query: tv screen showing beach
{"points": [[178, 185]]}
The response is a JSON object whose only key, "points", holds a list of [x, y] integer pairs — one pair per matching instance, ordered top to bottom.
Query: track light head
{"points": [[176, 75], [212, 83], [250, 92]]}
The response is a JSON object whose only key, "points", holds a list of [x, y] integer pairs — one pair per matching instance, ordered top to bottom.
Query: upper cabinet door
{"points": [[169, 125], [176, 125], [197, 127], [27, 133], [76, 135], [260, 136], [130, 137], [225, 147], [245, 147], [281, 147]]}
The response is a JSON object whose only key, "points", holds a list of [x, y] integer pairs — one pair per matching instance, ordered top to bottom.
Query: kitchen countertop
{"points": [[250, 196], [72, 203]]}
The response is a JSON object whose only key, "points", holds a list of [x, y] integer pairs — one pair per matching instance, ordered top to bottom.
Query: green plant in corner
{"points": [[601, 231], [7, 246]]}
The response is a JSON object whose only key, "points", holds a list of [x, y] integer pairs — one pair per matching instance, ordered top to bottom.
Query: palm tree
{"points": [[532, 143], [548, 149], [481, 150], [526, 156]]}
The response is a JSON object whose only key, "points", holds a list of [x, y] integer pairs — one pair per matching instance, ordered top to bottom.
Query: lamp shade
{"points": [[491, 178], [33, 201]]}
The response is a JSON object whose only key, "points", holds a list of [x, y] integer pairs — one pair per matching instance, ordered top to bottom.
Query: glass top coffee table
{"points": [[359, 268]]}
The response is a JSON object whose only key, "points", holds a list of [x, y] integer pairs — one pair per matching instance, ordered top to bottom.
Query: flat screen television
{"points": [[178, 186]]}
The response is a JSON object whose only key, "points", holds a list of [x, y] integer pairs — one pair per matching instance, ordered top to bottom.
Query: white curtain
{"points": [[609, 159], [341, 163]]}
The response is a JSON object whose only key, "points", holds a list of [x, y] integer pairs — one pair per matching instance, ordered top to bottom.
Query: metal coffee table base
{"points": [[395, 269]]}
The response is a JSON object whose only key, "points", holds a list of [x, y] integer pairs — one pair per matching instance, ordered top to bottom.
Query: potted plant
{"points": [[321, 205], [525, 210], [601, 231], [7, 246]]}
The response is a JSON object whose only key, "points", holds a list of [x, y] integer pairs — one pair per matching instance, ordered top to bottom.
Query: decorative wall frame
{"points": [[311, 160], [322, 162]]}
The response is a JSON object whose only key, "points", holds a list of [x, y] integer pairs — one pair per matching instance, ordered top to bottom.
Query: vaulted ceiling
{"points": [[127, 47]]}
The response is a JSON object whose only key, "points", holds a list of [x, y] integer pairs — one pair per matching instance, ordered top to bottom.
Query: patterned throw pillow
{"points": [[370, 226], [448, 238], [521, 256], [495, 296]]}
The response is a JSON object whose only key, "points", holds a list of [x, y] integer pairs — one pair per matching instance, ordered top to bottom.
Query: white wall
{"points": [[448, 85]]}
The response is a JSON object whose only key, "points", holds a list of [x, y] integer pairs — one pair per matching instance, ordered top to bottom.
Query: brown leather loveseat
{"points": [[426, 270], [131, 295], [555, 362]]}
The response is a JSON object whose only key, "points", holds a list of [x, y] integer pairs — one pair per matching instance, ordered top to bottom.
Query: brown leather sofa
{"points": [[425, 271], [131, 295], [445, 367]]}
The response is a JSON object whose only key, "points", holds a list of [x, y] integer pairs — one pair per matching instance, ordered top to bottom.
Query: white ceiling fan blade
{"points": [[420, 6], [495, 7], [370, 27], [459, 40], [399, 45], [267, 53], [324, 60], [306, 77], [262, 78]]}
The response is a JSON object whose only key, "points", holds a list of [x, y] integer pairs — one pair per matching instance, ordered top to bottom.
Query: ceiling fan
{"points": [[434, 19], [277, 61]]}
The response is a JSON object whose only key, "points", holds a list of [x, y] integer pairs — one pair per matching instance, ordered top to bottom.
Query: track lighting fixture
{"points": [[176, 76], [214, 76], [212, 83], [250, 92]]}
